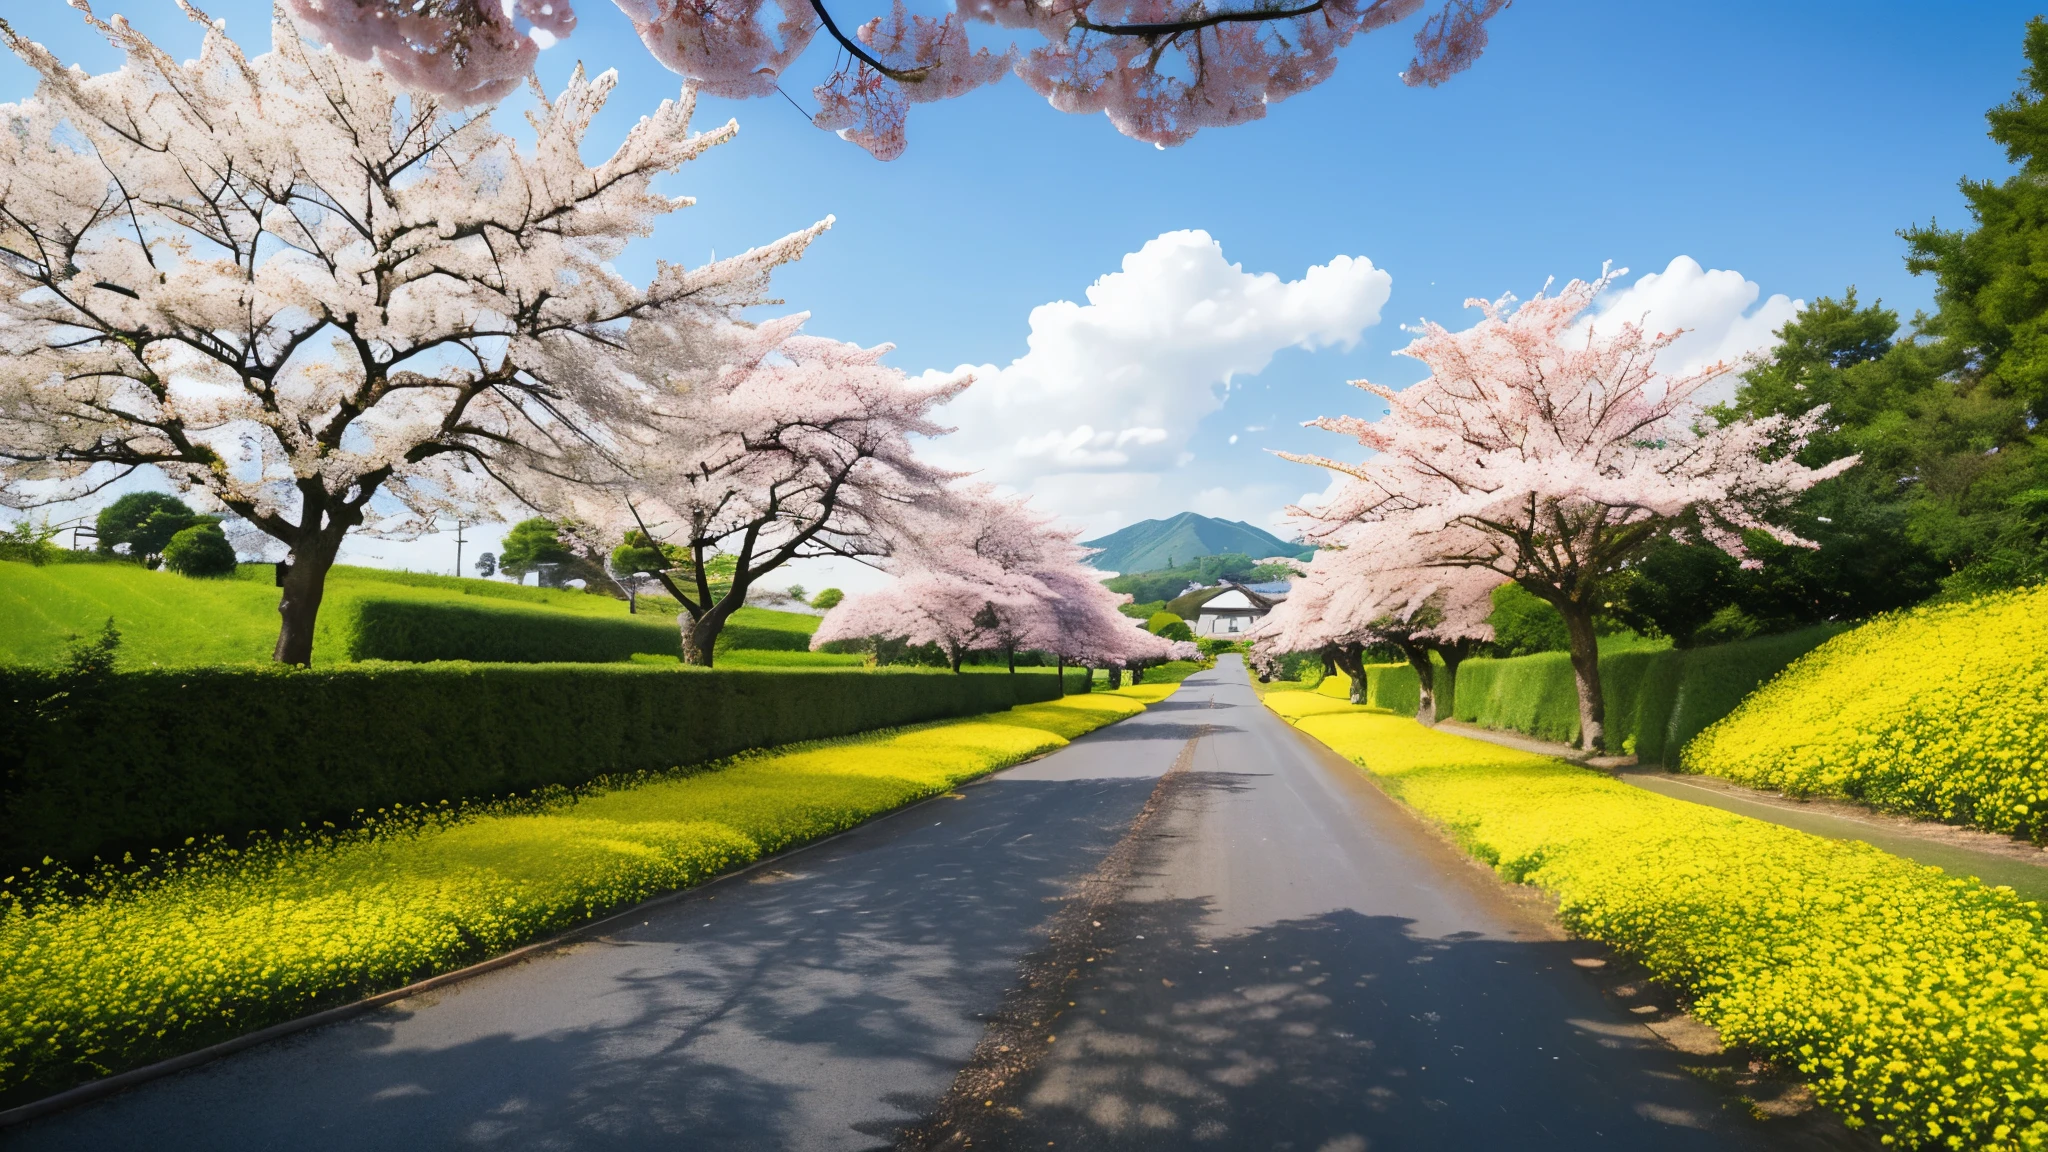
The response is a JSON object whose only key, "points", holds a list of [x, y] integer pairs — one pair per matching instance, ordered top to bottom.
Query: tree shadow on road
{"points": [[826, 1000], [1343, 1032]]}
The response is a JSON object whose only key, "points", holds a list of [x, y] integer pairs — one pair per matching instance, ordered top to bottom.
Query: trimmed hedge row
{"points": [[418, 631], [1389, 686], [1658, 699], [148, 758]]}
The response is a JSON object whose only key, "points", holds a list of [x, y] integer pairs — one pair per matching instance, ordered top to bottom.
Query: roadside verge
{"points": [[116, 971], [1912, 1001]]}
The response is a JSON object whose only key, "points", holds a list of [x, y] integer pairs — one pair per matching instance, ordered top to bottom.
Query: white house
{"points": [[1233, 611]]}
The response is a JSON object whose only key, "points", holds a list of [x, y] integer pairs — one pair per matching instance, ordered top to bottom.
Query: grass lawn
{"points": [[171, 620], [137, 966], [1915, 1002]]}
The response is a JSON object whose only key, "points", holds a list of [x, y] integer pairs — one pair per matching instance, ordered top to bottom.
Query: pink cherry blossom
{"points": [[1160, 70], [311, 299], [757, 443], [1552, 456], [980, 571]]}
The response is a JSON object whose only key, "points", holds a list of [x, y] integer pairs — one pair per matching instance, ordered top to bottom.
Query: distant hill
{"points": [[1150, 545]]}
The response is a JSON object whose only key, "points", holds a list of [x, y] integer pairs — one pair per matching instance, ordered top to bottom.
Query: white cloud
{"points": [[1717, 309], [1106, 400]]}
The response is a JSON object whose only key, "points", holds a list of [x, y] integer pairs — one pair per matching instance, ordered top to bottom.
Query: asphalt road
{"points": [[1294, 964]]}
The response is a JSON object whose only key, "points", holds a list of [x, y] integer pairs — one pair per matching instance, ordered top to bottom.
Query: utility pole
{"points": [[458, 548]]}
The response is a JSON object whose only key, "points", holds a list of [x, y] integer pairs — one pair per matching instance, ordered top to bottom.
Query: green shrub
{"points": [[145, 521], [29, 543], [201, 550], [1524, 624], [1170, 626], [417, 631], [761, 638], [778, 658], [1389, 686], [151, 757]]}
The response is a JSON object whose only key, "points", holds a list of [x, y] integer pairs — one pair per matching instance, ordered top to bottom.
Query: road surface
{"points": [[1292, 963]]}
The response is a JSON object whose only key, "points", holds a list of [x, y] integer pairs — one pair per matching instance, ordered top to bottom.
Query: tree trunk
{"points": [[305, 583], [1578, 623], [700, 636], [953, 651], [1012, 654], [1350, 661], [1062, 672], [1138, 674], [1116, 677], [1425, 682], [1447, 689]]}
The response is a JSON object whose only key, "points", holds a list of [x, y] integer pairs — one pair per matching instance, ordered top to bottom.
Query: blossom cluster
{"points": [[1160, 70], [307, 297], [975, 570], [1940, 711]]}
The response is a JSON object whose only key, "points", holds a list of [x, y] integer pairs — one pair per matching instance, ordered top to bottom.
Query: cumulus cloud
{"points": [[1717, 309], [1106, 399]]}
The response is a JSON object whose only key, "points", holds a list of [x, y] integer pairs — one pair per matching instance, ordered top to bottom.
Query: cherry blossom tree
{"points": [[1161, 70], [307, 298], [751, 446], [1553, 454], [966, 566], [980, 571], [1347, 602]]}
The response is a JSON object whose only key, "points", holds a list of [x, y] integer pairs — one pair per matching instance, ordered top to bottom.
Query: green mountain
{"points": [[1150, 545]]}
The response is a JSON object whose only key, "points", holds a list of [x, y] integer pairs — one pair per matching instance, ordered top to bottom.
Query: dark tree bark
{"points": [[298, 609], [1417, 654], [1452, 654], [1585, 654], [1351, 661]]}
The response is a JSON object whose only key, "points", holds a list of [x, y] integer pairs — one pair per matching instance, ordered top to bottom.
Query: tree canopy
{"points": [[1161, 71], [309, 298]]}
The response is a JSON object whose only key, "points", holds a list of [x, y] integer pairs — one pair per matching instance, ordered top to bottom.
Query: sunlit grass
{"points": [[175, 621]]}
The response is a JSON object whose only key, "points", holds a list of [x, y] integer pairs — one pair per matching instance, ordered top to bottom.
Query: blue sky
{"points": [[1785, 142]]}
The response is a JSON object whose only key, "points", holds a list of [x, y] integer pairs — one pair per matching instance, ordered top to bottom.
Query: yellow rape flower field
{"points": [[1938, 712], [146, 965], [1915, 1002]]}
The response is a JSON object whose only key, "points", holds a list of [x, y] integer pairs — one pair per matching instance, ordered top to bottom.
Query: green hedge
{"points": [[418, 631], [755, 638], [1389, 686], [1657, 699], [145, 759]]}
